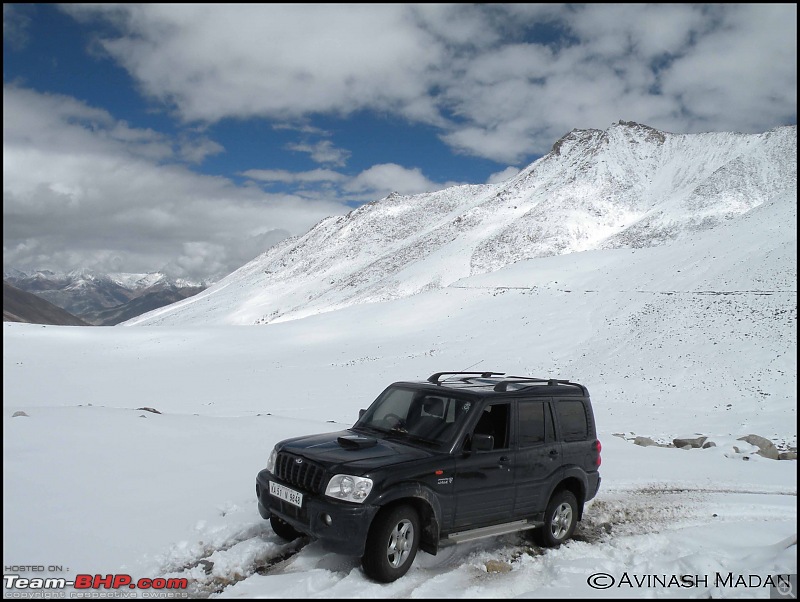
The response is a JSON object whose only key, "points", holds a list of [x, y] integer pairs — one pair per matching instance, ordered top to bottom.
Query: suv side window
{"points": [[572, 420], [495, 422], [535, 423]]}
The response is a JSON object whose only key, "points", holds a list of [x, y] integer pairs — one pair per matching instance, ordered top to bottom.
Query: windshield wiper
{"points": [[366, 427], [397, 432], [404, 434]]}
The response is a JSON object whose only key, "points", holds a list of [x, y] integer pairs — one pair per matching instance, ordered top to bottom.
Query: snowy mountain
{"points": [[630, 186], [658, 270], [103, 299], [19, 306]]}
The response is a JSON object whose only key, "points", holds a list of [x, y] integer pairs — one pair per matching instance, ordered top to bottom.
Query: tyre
{"points": [[560, 520], [283, 529], [392, 544]]}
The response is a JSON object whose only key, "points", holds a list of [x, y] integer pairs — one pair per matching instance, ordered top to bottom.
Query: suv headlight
{"points": [[271, 462], [349, 488]]}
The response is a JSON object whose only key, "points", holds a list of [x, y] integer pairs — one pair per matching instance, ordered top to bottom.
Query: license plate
{"points": [[288, 495]]}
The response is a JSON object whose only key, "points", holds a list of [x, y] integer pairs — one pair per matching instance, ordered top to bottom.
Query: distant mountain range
{"points": [[630, 186], [103, 299], [19, 306]]}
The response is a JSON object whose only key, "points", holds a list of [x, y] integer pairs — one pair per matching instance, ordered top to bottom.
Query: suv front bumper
{"points": [[345, 533]]}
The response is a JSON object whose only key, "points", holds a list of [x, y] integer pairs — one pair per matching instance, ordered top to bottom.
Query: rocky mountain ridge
{"points": [[630, 186], [103, 299]]}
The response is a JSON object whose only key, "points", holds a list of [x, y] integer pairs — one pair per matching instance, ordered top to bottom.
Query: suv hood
{"points": [[354, 453]]}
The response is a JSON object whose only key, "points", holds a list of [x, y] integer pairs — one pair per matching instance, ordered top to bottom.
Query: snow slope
{"points": [[627, 187], [679, 333], [95, 486]]}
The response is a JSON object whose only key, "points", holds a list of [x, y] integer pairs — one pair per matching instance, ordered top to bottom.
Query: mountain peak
{"points": [[632, 131], [651, 134], [578, 138], [630, 186]]}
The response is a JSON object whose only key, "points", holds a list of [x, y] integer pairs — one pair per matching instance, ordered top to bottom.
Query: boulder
{"points": [[690, 441], [766, 448], [497, 566]]}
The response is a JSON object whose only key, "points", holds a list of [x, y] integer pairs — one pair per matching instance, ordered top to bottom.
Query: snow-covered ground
{"points": [[695, 337], [97, 486], [102, 490]]}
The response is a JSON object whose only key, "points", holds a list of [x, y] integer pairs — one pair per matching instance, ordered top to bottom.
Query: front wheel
{"points": [[560, 520], [283, 529], [392, 544]]}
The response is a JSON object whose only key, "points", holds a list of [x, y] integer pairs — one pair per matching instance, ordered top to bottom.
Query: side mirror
{"points": [[361, 412], [481, 442]]}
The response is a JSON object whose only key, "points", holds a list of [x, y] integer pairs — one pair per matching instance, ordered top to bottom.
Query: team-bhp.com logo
{"points": [[87, 582]]}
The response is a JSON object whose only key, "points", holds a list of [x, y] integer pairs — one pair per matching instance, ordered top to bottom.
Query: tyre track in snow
{"points": [[612, 515], [211, 567]]}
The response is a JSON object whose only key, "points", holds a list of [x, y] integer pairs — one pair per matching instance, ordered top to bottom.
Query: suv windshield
{"points": [[416, 415]]}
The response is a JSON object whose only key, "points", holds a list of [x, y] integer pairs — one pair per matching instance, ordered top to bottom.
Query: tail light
{"points": [[598, 447]]}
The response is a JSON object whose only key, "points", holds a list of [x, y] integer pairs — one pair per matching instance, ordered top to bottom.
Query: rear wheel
{"points": [[560, 520], [283, 529], [392, 544]]}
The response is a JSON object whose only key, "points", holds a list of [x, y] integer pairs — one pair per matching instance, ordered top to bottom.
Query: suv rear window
{"points": [[572, 420]]}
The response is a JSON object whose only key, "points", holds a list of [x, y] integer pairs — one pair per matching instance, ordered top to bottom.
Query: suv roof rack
{"points": [[434, 378], [522, 380]]}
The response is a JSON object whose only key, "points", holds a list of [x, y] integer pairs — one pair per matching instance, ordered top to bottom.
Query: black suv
{"points": [[436, 463]]}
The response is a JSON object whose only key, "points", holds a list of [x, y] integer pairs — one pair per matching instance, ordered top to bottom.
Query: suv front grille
{"points": [[303, 474]]}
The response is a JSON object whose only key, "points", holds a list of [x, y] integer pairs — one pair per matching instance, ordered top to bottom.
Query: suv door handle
{"points": [[553, 452], [504, 459]]}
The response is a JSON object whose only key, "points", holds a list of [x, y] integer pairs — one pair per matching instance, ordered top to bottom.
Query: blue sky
{"points": [[60, 57], [189, 138]]}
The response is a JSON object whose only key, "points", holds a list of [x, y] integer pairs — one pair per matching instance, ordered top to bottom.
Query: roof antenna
{"points": [[464, 370]]}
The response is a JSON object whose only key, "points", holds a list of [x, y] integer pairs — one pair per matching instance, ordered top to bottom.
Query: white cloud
{"points": [[16, 24], [456, 24], [645, 31], [280, 61], [470, 70], [743, 71], [303, 128], [197, 149], [323, 152], [74, 172], [282, 175], [502, 176], [382, 179], [372, 183], [119, 200], [204, 257]]}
